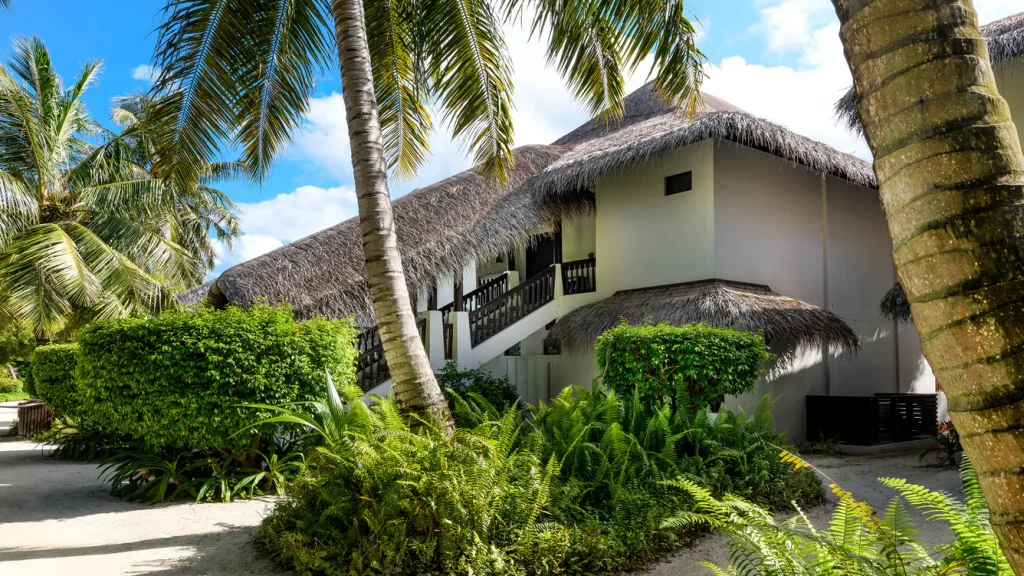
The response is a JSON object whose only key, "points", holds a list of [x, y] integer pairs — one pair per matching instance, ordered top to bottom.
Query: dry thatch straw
{"points": [[1005, 38], [651, 128], [441, 228], [195, 294], [714, 302], [894, 305]]}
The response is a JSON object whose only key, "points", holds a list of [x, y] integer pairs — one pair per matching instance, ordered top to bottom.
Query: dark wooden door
{"points": [[544, 250]]}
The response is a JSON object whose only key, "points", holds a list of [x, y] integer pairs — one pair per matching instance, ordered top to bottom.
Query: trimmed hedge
{"points": [[694, 364], [53, 377], [177, 380], [9, 385]]}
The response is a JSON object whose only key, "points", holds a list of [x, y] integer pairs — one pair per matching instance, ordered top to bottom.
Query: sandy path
{"points": [[57, 518]]}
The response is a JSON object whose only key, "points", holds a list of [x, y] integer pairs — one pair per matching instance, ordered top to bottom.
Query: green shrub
{"points": [[695, 364], [24, 369], [53, 376], [177, 381], [9, 385], [498, 392], [578, 487]]}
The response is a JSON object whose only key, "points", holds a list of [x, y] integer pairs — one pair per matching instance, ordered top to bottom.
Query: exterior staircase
{"points": [[494, 317]]}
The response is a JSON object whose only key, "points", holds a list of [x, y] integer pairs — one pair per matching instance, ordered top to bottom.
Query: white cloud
{"points": [[146, 73], [802, 96], [285, 218], [246, 247]]}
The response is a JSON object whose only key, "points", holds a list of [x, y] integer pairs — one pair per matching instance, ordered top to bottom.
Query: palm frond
{"points": [[470, 75]]}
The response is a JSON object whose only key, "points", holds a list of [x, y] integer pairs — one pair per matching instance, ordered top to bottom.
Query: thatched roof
{"points": [[1005, 38], [651, 128], [441, 228], [194, 295], [714, 302], [894, 304]]}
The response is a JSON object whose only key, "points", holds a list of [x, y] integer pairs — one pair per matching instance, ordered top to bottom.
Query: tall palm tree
{"points": [[246, 69], [951, 177], [83, 227]]}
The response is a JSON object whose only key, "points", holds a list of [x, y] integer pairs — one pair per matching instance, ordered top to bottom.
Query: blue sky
{"points": [[779, 59]]}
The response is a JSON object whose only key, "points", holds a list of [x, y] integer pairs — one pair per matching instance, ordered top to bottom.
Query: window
{"points": [[678, 183]]}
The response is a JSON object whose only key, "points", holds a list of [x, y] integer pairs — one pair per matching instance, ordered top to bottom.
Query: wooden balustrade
{"points": [[579, 276], [477, 298], [512, 306], [371, 367], [34, 418]]}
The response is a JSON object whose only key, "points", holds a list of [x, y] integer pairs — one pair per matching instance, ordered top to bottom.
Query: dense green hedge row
{"points": [[696, 364], [53, 377], [178, 380]]}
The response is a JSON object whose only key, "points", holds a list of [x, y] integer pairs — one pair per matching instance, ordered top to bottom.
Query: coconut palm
{"points": [[246, 69], [951, 177], [199, 209], [84, 230]]}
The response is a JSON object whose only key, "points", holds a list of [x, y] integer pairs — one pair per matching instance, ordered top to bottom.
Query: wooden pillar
{"points": [[432, 298], [457, 304]]}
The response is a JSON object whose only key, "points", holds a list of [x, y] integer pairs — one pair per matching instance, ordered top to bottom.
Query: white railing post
{"points": [[513, 279], [558, 282], [435, 339], [462, 340]]}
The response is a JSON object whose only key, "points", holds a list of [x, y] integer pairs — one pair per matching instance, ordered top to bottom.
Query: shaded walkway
{"points": [[58, 518]]}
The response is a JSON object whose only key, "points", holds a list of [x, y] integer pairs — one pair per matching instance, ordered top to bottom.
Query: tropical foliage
{"points": [[86, 231], [694, 364], [53, 377], [178, 380], [455, 383], [574, 487], [857, 541]]}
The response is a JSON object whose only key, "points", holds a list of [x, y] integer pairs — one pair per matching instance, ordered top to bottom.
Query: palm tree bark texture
{"points": [[951, 179], [415, 388]]}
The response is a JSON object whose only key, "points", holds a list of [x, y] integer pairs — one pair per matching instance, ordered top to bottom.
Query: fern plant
{"points": [[857, 541]]}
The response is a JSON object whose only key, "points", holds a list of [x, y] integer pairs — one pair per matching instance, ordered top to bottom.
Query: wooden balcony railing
{"points": [[579, 276], [477, 298], [512, 306], [371, 367]]}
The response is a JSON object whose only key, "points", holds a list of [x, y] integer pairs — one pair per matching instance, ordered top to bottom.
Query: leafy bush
{"points": [[16, 343], [696, 364], [23, 368], [53, 376], [178, 381], [9, 385], [498, 392], [578, 487], [858, 541]]}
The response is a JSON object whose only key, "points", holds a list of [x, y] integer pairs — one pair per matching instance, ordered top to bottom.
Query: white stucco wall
{"points": [[1010, 80], [770, 228], [578, 238], [645, 238], [860, 273]]}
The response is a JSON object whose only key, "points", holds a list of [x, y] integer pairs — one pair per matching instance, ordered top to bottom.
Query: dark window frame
{"points": [[679, 183]]}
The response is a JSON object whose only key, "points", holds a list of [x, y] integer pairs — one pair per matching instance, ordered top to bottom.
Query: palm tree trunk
{"points": [[951, 177], [414, 385]]}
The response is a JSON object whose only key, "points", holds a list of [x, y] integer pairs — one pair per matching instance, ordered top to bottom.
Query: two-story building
{"points": [[722, 218]]}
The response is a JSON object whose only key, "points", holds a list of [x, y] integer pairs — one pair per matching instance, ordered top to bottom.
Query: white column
{"points": [[469, 278], [513, 279], [435, 339], [462, 340]]}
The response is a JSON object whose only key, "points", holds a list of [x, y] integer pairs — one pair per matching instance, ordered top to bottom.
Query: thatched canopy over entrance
{"points": [[1005, 40], [714, 302], [894, 304]]}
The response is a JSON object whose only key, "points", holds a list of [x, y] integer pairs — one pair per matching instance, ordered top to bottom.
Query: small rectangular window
{"points": [[678, 183]]}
